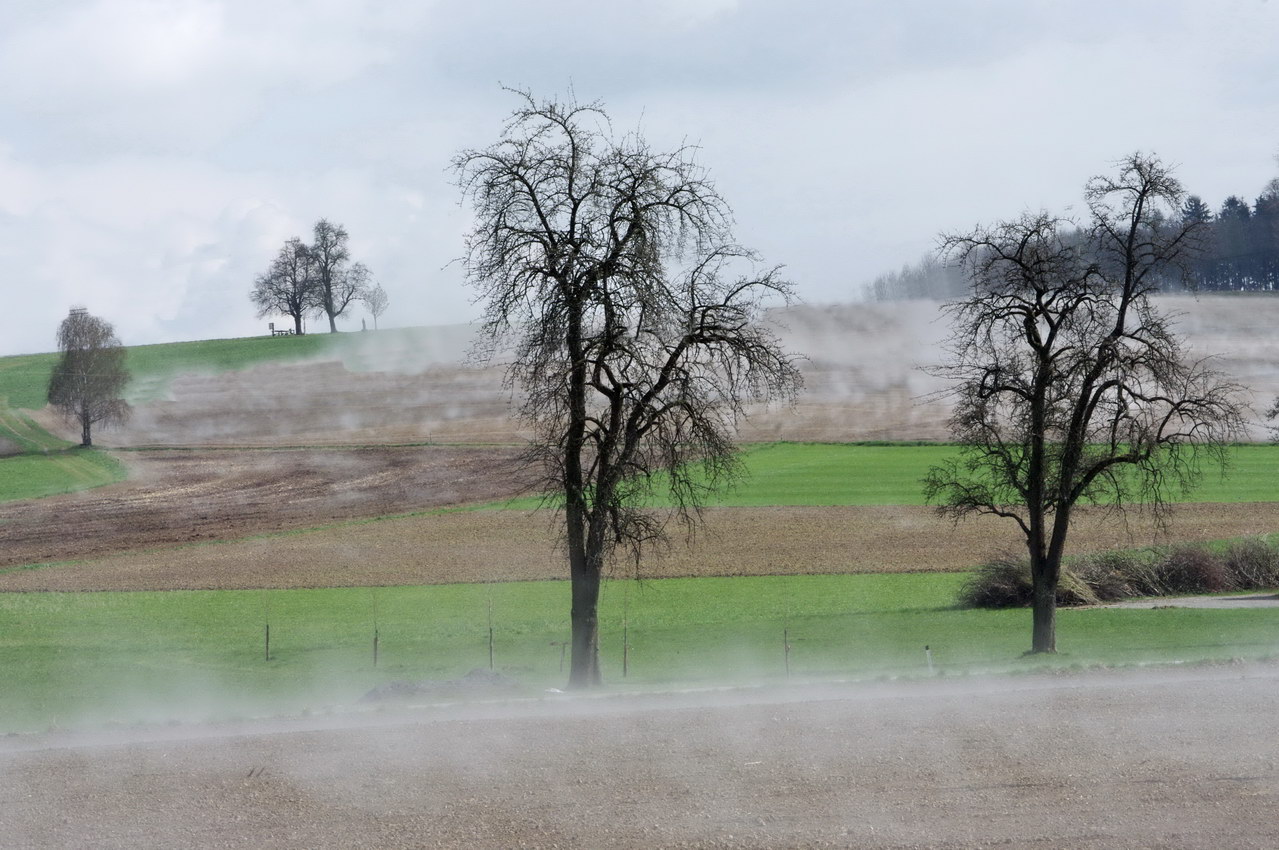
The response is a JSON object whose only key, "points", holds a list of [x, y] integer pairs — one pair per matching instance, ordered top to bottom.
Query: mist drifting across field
{"points": [[864, 372], [1156, 758]]}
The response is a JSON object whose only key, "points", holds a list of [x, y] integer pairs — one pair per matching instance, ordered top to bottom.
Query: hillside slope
{"points": [[863, 380]]}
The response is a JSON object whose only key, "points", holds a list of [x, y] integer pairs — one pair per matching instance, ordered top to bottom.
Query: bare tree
{"points": [[608, 266], [338, 282], [289, 286], [376, 300], [89, 378], [1069, 385]]}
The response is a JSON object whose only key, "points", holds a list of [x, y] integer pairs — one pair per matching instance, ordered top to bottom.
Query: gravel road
{"points": [[1183, 758]]}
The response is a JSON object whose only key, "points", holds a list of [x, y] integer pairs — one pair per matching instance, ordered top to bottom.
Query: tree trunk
{"points": [[297, 324], [333, 327], [85, 425], [584, 556], [1044, 603], [584, 671]]}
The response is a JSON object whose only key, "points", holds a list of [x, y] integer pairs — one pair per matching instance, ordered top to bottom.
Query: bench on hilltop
{"points": [[281, 331]]}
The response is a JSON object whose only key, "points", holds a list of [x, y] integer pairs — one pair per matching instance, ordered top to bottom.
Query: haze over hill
{"points": [[863, 380]]}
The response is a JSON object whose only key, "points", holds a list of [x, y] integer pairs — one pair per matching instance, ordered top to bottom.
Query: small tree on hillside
{"points": [[610, 268], [289, 286], [376, 300], [89, 378], [1069, 385]]}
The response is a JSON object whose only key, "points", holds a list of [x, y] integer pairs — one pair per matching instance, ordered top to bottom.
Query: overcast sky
{"points": [[155, 154]]}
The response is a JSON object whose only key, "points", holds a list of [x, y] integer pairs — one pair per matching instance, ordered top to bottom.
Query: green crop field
{"points": [[832, 474], [853, 474], [89, 658]]}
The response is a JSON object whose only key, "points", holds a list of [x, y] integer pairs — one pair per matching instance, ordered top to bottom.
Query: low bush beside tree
{"points": [[1248, 564]]}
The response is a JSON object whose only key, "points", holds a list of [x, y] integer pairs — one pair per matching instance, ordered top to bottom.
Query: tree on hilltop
{"points": [[317, 278], [338, 281], [289, 286]]}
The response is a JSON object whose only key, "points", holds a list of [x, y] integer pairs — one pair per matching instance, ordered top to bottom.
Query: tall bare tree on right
{"points": [[1069, 385]]}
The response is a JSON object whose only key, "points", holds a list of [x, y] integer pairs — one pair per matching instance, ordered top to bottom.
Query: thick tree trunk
{"points": [[297, 324], [333, 327], [86, 438], [584, 555], [1044, 628], [584, 671]]}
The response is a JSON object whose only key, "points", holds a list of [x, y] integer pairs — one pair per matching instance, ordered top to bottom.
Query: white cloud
{"points": [[154, 154]]}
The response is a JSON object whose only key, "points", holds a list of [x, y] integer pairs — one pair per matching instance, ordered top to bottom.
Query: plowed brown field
{"points": [[494, 545]]}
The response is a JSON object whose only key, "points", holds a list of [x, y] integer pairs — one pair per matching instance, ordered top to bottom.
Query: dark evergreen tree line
{"points": [[1238, 250]]}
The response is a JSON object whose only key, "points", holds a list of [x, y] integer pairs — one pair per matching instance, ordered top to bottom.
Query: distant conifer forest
{"points": [[1237, 251]]}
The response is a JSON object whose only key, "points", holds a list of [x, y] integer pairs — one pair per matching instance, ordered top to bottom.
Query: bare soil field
{"points": [[175, 497], [489, 545], [1176, 759]]}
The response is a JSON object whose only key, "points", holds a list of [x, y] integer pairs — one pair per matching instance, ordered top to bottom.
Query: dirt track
{"points": [[1182, 759]]}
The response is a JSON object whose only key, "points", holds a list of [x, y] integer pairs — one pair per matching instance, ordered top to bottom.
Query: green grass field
{"points": [[24, 378], [49, 465], [831, 474], [851, 474], [33, 476], [91, 658]]}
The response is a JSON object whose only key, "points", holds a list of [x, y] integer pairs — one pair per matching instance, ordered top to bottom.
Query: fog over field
{"points": [[864, 379], [1152, 759]]}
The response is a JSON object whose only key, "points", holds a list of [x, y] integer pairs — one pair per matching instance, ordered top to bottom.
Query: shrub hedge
{"points": [[1248, 564]]}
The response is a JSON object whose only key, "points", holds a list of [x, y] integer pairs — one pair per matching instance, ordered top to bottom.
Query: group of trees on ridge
{"points": [[1237, 250], [317, 279]]}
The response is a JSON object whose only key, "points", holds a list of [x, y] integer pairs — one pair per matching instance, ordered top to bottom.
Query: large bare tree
{"points": [[290, 286], [634, 320], [89, 378], [1069, 385]]}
